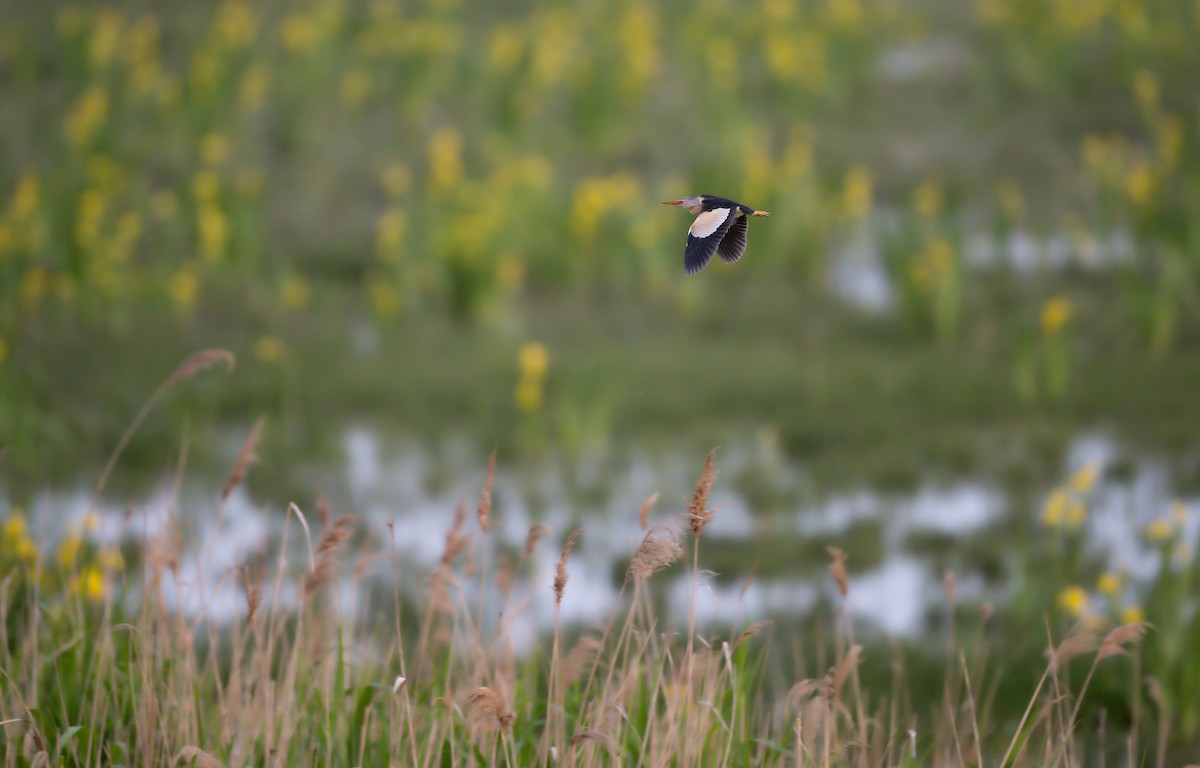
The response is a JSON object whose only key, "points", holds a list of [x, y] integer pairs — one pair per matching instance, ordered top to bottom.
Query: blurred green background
{"points": [[441, 220]]}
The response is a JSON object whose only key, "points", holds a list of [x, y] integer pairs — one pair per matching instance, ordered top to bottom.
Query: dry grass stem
{"points": [[245, 458], [647, 505], [483, 512], [699, 514], [327, 548], [659, 549], [838, 569], [560, 570], [252, 589], [846, 666], [198, 758]]}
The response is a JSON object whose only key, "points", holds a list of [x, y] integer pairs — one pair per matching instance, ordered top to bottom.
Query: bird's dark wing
{"points": [[704, 236], [733, 245]]}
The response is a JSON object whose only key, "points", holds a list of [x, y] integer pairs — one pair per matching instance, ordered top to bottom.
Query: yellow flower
{"points": [[235, 24], [300, 33], [505, 49], [355, 88], [253, 89], [87, 116], [214, 148], [445, 159], [1139, 184], [206, 186], [856, 192], [25, 199], [927, 199], [1012, 202], [214, 232], [389, 234], [182, 288], [295, 292], [385, 299], [1055, 314], [269, 349], [533, 359], [529, 395], [1084, 478], [1054, 512], [1076, 512], [1179, 512], [91, 522], [15, 527], [1159, 530], [26, 551], [68, 551], [111, 560], [91, 583], [1109, 583], [1073, 600], [1132, 614]]}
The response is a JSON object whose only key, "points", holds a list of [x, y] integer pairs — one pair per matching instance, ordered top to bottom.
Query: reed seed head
{"points": [[205, 358], [245, 458], [647, 505], [483, 512], [699, 515], [536, 532], [332, 540], [659, 549], [838, 569], [560, 570], [1116, 640], [486, 704]]}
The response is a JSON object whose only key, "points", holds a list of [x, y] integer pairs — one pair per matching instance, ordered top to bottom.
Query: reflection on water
{"points": [[403, 488]]}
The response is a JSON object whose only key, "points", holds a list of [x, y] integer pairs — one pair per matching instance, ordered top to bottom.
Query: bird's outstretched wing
{"points": [[704, 236], [733, 245]]}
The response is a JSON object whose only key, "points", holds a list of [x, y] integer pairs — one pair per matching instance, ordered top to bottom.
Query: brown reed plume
{"points": [[196, 363], [245, 458], [647, 505], [483, 512], [699, 515], [537, 532], [456, 540], [331, 541], [659, 549], [838, 569], [560, 570], [252, 589], [1115, 641], [580, 658], [487, 706], [596, 737]]}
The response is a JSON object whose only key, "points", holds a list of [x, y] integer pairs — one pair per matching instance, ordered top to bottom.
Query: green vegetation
{"points": [[440, 219], [101, 671]]}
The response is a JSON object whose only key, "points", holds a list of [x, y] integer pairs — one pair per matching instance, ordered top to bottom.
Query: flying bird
{"points": [[720, 227]]}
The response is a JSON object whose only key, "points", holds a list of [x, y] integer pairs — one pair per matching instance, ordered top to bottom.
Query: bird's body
{"points": [[720, 227]]}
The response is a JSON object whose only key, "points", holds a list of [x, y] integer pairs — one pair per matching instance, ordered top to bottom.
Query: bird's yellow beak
{"points": [[673, 202]]}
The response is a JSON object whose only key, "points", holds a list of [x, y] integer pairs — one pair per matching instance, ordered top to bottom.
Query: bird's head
{"points": [[693, 205]]}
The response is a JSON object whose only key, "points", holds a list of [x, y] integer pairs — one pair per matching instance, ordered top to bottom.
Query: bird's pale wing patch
{"points": [[708, 222], [704, 236], [733, 245]]}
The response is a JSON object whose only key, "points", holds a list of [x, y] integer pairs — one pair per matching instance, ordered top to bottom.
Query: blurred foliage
{"points": [[282, 166]]}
